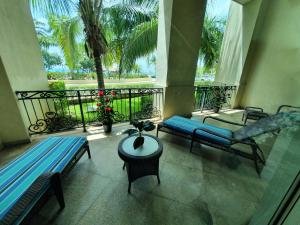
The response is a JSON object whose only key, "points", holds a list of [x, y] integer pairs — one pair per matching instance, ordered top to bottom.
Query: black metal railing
{"points": [[207, 97], [52, 111]]}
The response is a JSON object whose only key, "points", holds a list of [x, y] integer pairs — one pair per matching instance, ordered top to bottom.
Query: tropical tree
{"points": [[58, 7], [120, 18], [119, 21], [65, 30], [211, 40], [45, 41], [95, 43], [51, 59], [86, 64]]}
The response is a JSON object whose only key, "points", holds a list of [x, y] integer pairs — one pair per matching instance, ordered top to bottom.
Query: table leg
{"points": [[158, 179], [129, 187]]}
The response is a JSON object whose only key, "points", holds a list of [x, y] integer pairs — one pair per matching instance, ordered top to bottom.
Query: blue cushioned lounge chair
{"points": [[226, 139]]}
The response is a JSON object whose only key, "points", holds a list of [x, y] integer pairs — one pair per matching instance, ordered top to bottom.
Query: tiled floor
{"points": [[206, 187]]}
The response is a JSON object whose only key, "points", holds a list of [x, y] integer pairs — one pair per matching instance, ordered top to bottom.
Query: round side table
{"points": [[142, 161]]}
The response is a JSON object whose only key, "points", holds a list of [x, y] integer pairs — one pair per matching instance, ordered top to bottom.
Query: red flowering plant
{"points": [[105, 106]]}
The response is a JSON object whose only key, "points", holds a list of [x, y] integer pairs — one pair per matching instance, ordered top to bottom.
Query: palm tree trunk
{"points": [[120, 67], [99, 72]]}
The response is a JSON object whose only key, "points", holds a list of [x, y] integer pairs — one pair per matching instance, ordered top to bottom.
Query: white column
{"points": [[179, 35]]}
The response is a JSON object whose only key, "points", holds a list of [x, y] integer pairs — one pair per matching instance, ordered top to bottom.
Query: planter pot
{"points": [[216, 109], [107, 128]]}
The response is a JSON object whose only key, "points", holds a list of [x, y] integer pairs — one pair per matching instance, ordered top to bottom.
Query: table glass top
{"points": [[150, 146]]}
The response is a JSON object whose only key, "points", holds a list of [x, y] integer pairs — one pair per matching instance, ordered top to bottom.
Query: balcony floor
{"points": [[206, 187]]}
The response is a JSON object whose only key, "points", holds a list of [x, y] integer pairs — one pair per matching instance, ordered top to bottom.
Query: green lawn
{"points": [[119, 105]]}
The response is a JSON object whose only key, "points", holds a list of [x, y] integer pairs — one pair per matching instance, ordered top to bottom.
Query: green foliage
{"points": [[50, 7], [119, 21], [65, 30], [211, 40], [141, 41], [51, 59], [87, 65], [57, 76], [88, 76], [57, 85], [146, 101], [105, 106]]}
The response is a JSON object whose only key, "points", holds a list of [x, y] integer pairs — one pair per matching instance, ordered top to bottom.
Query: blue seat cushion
{"points": [[187, 126], [50, 155]]}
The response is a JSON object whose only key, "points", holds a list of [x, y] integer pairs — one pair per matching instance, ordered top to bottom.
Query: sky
{"points": [[215, 8], [218, 8]]}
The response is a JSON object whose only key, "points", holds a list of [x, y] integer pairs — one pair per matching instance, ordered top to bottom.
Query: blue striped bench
{"points": [[25, 180]]}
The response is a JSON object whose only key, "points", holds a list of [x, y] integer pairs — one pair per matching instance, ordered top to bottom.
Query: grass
{"points": [[119, 105]]}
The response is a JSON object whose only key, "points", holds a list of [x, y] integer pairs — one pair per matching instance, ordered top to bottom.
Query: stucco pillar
{"points": [[179, 35], [21, 68]]}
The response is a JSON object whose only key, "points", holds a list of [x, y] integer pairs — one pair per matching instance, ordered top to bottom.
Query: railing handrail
{"points": [[90, 89]]}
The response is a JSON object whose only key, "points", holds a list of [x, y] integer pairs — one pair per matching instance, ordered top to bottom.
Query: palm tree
{"points": [[58, 7], [118, 19], [119, 22], [65, 31], [143, 40], [211, 40], [95, 42]]}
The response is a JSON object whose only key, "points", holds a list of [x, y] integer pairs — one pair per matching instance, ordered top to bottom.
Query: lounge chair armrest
{"points": [[286, 106], [254, 108], [222, 120], [213, 133]]}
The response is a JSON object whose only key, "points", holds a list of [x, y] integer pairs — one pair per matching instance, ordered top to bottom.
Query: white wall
{"points": [[237, 38], [261, 53], [230, 65], [21, 66], [272, 73]]}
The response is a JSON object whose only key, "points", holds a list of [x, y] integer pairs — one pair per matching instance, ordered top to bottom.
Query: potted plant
{"points": [[218, 98], [105, 109], [140, 126]]}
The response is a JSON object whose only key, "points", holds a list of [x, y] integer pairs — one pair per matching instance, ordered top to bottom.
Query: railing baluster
{"points": [[66, 109], [81, 111], [130, 111]]}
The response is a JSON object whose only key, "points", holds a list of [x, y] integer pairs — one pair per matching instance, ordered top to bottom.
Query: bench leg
{"points": [[88, 151], [57, 187]]}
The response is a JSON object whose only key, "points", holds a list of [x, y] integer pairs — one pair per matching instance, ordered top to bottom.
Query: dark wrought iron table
{"points": [[142, 161]]}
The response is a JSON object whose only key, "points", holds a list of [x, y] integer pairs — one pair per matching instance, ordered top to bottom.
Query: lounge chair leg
{"points": [[157, 132], [192, 143], [261, 156], [255, 157], [57, 187]]}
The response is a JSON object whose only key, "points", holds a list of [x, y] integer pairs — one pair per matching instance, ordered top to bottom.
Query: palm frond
{"points": [[59, 7], [66, 30], [211, 40], [141, 41]]}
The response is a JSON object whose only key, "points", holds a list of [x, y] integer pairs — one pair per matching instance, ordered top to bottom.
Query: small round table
{"points": [[142, 161]]}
